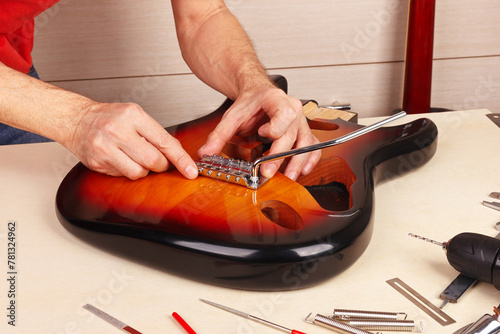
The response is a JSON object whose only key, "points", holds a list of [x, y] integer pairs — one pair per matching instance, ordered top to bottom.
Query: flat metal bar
{"points": [[495, 118], [492, 205], [460, 285], [430, 309]]}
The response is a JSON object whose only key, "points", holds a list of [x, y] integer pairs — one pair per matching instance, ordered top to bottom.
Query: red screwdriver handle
{"points": [[296, 332]]}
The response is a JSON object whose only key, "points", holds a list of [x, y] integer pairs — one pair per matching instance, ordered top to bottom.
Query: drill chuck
{"points": [[476, 256]]}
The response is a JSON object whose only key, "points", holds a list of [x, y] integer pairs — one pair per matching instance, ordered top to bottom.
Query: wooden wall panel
{"points": [[467, 28], [310, 33], [103, 38], [106, 38], [328, 49], [467, 83], [371, 89], [376, 89], [169, 99]]}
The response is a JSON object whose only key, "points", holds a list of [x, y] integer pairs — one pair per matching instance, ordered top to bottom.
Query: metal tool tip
{"points": [[427, 240], [207, 301], [445, 302], [214, 304], [226, 308]]}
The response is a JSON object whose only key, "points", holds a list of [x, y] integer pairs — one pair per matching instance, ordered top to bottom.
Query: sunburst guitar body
{"points": [[285, 235]]}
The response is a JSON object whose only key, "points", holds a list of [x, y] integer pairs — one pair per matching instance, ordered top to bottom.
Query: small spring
{"points": [[358, 314], [336, 325], [386, 325]]}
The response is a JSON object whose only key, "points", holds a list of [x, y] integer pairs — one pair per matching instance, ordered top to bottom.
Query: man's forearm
{"points": [[216, 47], [220, 53], [38, 107], [118, 139]]}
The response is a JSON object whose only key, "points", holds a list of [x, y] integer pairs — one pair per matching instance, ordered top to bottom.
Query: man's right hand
{"points": [[121, 139]]}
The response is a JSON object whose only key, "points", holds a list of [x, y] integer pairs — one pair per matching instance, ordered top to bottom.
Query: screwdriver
{"points": [[473, 255], [251, 317]]}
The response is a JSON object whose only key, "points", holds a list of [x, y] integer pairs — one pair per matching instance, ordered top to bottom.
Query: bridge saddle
{"points": [[225, 169]]}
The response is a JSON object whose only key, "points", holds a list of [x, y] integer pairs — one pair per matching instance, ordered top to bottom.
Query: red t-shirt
{"points": [[17, 29]]}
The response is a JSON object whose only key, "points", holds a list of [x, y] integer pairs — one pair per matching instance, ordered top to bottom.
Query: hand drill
{"points": [[473, 255]]}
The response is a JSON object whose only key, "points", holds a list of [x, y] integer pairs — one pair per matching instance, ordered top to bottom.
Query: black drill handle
{"points": [[475, 256]]}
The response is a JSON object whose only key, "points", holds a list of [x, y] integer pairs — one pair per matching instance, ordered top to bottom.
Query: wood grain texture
{"points": [[103, 38], [328, 50], [371, 89], [169, 99]]}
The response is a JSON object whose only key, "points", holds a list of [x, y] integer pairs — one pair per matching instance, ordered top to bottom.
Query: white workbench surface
{"points": [[57, 273]]}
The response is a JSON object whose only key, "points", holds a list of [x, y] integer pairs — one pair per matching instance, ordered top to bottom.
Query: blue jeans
{"points": [[10, 135]]}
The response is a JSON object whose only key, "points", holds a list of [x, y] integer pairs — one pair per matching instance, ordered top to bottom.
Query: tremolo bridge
{"points": [[226, 169], [246, 173]]}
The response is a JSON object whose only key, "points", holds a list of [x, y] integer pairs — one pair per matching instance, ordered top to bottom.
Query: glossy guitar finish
{"points": [[285, 235]]}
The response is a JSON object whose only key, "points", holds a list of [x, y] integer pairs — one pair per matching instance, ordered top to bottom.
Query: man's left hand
{"points": [[274, 115]]}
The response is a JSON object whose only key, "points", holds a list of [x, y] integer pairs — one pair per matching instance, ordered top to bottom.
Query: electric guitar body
{"points": [[284, 235]]}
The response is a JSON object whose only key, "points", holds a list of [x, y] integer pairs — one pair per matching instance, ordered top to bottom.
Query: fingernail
{"points": [[307, 169], [269, 170], [191, 172], [292, 175]]}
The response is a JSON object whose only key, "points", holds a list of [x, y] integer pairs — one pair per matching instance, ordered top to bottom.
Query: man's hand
{"points": [[220, 53], [274, 115], [118, 139], [121, 139]]}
